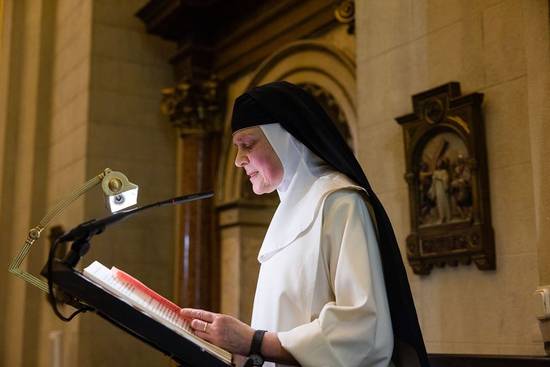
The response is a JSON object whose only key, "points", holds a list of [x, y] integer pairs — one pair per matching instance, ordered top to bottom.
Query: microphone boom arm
{"points": [[81, 234]]}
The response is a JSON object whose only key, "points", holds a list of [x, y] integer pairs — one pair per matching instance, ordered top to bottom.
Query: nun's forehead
{"points": [[247, 131]]}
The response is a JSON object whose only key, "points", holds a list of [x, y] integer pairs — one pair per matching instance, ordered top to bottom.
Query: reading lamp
{"points": [[119, 194]]}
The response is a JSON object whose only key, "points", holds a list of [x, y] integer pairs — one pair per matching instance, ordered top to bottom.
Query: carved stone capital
{"points": [[345, 13], [193, 106]]}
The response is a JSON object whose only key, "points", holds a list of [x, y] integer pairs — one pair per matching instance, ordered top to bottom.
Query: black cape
{"points": [[300, 114]]}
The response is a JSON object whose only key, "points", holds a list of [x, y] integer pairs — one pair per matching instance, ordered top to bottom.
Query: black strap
{"points": [[255, 357]]}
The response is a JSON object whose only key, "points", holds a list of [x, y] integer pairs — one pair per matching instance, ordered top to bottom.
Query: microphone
{"points": [[81, 234]]}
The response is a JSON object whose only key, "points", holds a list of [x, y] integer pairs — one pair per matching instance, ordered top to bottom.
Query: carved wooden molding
{"points": [[238, 34], [302, 47], [447, 176]]}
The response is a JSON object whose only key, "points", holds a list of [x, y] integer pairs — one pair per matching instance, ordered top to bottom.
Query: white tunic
{"points": [[322, 289]]}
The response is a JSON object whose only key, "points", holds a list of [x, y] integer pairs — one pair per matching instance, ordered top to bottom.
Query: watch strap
{"points": [[256, 345], [255, 357]]}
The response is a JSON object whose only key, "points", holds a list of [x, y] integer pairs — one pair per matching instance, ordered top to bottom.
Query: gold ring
{"points": [[205, 327]]}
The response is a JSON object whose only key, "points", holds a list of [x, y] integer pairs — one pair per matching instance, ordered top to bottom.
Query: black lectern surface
{"points": [[132, 321]]}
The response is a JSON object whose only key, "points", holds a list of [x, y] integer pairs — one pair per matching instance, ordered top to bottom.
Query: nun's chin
{"points": [[260, 187], [262, 190]]}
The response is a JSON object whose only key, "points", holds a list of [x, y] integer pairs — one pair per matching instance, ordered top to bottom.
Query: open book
{"points": [[138, 295]]}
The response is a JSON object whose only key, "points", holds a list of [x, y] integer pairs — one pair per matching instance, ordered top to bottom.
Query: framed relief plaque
{"points": [[447, 176]]}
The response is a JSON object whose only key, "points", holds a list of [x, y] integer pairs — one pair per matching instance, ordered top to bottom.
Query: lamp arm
{"points": [[34, 233]]}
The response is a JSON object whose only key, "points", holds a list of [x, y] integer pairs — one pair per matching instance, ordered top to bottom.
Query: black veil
{"points": [[303, 117]]}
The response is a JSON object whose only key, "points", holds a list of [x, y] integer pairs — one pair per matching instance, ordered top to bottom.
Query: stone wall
{"points": [[405, 47], [81, 87], [127, 133]]}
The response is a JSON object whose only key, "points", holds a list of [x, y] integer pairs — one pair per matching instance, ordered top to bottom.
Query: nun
{"points": [[332, 289]]}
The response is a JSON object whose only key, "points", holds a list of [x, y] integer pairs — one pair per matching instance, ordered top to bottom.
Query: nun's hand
{"points": [[222, 330]]}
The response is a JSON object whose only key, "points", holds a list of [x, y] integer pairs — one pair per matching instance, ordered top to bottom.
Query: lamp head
{"points": [[119, 192]]}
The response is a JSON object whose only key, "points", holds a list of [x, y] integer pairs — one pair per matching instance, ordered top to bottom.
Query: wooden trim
{"points": [[155, 13], [268, 14], [236, 35], [264, 38], [471, 360]]}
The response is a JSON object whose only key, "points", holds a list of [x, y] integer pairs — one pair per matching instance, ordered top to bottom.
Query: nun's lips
{"points": [[252, 174]]}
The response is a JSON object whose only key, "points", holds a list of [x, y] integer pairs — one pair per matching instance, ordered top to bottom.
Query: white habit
{"points": [[321, 284]]}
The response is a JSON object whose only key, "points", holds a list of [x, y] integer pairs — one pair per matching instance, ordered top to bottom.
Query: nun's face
{"points": [[259, 160]]}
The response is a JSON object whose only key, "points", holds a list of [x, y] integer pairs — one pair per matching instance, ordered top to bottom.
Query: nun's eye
{"points": [[247, 145]]}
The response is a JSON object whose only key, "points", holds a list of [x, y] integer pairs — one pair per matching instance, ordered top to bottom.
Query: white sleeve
{"points": [[355, 329]]}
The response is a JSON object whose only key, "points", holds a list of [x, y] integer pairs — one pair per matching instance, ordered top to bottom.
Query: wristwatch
{"points": [[255, 357]]}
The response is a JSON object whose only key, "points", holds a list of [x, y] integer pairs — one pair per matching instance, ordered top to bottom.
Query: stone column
{"points": [[537, 51], [26, 54], [193, 108], [243, 224]]}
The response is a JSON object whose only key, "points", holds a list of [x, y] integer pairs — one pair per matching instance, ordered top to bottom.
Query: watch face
{"points": [[256, 360]]}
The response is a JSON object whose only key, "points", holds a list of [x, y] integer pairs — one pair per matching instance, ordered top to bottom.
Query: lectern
{"points": [[129, 319]]}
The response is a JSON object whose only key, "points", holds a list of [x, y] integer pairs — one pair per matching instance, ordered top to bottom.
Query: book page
{"points": [[138, 295]]}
